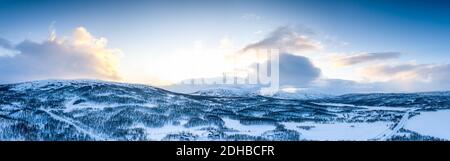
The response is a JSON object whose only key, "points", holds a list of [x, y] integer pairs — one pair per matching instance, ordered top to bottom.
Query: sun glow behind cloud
{"points": [[78, 56], [107, 59], [198, 61]]}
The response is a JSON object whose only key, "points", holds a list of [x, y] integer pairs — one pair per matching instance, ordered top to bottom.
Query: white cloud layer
{"points": [[79, 56], [364, 57], [410, 77]]}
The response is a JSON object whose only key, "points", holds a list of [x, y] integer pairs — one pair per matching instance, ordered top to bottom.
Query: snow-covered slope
{"points": [[255, 91], [228, 92], [300, 95], [99, 110]]}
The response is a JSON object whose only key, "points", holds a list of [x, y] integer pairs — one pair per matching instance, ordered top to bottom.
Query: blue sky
{"points": [[149, 33]]}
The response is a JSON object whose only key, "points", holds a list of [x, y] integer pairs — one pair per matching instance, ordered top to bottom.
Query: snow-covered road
{"points": [[388, 133]]}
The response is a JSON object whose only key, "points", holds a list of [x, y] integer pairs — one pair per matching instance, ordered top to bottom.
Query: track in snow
{"points": [[388, 133]]}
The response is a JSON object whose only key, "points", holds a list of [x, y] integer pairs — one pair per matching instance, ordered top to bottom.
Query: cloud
{"points": [[251, 16], [287, 39], [225, 43], [5, 44], [6, 49], [79, 56], [365, 57], [296, 70], [397, 72], [411, 77], [389, 78], [342, 86]]}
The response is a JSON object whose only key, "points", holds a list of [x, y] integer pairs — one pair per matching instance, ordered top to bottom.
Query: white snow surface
{"points": [[433, 123], [253, 130], [338, 131]]}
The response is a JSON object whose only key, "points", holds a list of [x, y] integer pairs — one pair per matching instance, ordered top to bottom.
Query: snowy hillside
{"points": [[255, 91], [228, 92], [98, 110]]}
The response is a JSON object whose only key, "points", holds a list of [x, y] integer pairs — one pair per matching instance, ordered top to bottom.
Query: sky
{"points": [[359, 46]]}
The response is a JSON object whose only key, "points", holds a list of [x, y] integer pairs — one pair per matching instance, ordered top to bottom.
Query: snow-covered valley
{"points": [[98, 110]]}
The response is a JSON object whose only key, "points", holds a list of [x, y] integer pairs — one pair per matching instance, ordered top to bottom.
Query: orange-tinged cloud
{"points": [[80, 56], [106, 59]]}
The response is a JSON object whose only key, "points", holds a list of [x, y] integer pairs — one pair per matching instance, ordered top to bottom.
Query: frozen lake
{"points": [[435, 123], [339, 131]]}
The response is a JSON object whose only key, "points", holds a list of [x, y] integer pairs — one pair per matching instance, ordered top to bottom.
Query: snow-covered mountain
{"points": [[255, 91], [228, 92], [300, 95], [98, 110]]}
